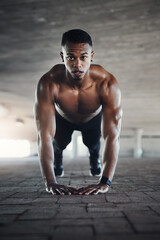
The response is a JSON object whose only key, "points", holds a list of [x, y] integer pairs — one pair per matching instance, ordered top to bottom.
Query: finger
{"points": [[48, 189], [67, 189], [80, 189], [71, 190], [87, 190], [105, 190], [53, 191], [56, 191], [60, 191], [75, 191], [90, 191], [67, 192], [83, 192], [96, 192]]}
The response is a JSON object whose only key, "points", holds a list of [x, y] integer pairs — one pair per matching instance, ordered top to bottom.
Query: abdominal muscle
{"points": [[78, 118]]}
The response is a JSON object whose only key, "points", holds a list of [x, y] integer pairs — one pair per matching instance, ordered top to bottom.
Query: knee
{"points": [[91, 144], [60, 145]]}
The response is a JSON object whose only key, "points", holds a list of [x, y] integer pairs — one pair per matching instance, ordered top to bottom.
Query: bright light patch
{"points": [[69, 147], [14, 148]]}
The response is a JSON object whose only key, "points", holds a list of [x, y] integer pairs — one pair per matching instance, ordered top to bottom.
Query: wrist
{"points": [[105, 181], [49, 184]]}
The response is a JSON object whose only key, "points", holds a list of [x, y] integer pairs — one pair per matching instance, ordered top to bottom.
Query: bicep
{"points": [[112, 110], [44, 111], [45, 119], [111, 123]]}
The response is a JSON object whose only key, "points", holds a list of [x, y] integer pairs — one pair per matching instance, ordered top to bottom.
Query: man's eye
{"points": [[83, 57], [70, 58]]}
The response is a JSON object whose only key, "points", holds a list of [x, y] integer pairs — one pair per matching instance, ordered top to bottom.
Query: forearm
{"points": [[46, 157], [110, 157]]}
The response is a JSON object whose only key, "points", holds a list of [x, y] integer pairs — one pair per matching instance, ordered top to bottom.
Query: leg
{"points": [[91, 138], [61, 140], [93, 143]]}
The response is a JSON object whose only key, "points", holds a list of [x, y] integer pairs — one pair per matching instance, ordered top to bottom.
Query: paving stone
{"points": [[11, 189], [4, 195], [26, 195], [154, 195], [139, 197], [94, 198], [117, 198], [70, 199], [20, 201], [45, 202], [132, 207], [110, 208], [13, 209], [72, 209], [156, 209], [125, 212], [39, 213], [70, 213], [114, 213], [7, 218], [141, 219], [73, 222], [111, 226], [27, 227], [147, 227], [73, 232], [126, 236], [24, 237]]}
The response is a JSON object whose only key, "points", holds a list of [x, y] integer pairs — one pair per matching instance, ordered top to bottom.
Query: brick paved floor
{"points": [[130, 210]]}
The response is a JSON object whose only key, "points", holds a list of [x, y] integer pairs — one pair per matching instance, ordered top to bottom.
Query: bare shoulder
{"points": [[98, 73], [53, 74], [47, 85], [109, 89]]}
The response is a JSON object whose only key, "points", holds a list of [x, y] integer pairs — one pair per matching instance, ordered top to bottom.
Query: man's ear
{"points": [[61, 54], [92, 55]]}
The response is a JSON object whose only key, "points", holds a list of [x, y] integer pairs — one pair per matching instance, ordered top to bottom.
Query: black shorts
{"points": [[91, 132]]}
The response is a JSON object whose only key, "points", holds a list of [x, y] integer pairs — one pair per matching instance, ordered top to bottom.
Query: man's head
{"points": [[76, 36], [77, 52]]}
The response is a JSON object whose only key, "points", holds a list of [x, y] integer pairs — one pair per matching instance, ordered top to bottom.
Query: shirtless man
{"points": [[74, 96]]}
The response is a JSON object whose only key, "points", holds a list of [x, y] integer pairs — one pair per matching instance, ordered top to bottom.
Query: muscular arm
{"points": [[45, 121], [111, 125], [46, 126]]}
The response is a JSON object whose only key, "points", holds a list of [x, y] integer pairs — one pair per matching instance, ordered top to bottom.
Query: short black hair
{"points": [[76, 36]]}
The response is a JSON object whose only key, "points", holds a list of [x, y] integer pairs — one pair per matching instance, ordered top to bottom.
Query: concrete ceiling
{"points": [[126, 37]]}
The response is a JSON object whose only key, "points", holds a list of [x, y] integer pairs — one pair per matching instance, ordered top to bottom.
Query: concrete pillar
{"points": [[138, 143], [33, 148]]}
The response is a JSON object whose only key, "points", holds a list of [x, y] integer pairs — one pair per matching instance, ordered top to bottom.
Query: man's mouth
{"points": [[77, 73]]}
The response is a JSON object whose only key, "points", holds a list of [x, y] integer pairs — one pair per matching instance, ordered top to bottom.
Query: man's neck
{"points": [[76, 83]]}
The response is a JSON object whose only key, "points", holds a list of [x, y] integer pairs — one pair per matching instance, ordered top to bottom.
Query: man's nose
{"points": [[77, 63]]}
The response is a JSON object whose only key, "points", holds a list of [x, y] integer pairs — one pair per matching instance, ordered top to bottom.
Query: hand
{"points": [[58, 189], [94, 189]]}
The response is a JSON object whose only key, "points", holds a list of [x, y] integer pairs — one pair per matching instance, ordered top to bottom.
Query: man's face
{"points": [[77, 58]]}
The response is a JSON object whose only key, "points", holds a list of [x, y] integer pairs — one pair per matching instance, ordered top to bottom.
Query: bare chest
{"points": [[72, 101]]}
